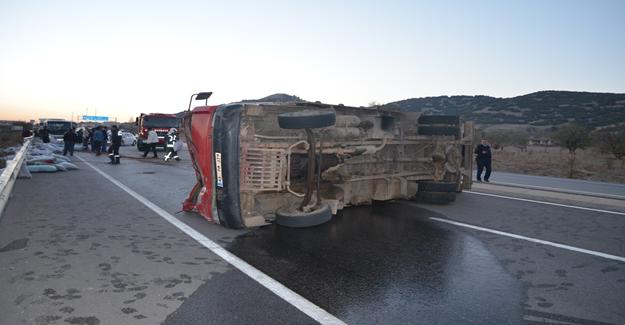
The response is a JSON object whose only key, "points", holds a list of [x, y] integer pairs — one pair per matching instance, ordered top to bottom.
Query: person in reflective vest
{"points": [[116, 141], [172, 146]]}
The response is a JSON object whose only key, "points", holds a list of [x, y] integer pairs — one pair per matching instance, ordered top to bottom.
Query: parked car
{"points": [[128, 139]]}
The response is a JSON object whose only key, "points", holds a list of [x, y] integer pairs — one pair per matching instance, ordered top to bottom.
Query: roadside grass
{"points": [[554, 161]]}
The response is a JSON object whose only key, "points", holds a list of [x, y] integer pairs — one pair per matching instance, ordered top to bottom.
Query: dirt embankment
{"points": [[554, 161]]}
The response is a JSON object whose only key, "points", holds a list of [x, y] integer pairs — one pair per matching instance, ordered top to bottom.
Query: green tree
{"points": [[572, 137], [499, 139], [519, 139], [612, 142]]}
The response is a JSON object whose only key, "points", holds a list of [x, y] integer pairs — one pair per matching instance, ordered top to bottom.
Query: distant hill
{"points": [[275, 98], [543, 108], [539, 109]]}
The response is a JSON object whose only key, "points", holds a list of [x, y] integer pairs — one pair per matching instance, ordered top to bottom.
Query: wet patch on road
{"points": [[16, 244], [388, 264], [90, 320]]}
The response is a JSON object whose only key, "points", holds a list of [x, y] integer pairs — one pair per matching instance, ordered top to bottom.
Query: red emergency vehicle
{"points": [[161, 123]]}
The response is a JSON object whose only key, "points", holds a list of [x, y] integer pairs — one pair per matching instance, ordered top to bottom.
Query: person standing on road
{"points": [[25, 132], [44, 134], [79, 136], [98, 137], [86, 138], [106, 138], [69, 139], [92, 139], [116, 141], [151, 142], [172, 142], [483, 159]]}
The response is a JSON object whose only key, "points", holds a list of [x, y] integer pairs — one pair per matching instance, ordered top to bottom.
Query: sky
{"points": [[60, 58]]}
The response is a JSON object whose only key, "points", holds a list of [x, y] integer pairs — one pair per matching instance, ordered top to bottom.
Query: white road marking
{"points": [[562, 190], [547, 203], [535, 240], [313, 311]]}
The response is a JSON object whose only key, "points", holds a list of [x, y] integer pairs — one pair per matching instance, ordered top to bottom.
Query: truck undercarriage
{"points": [[260, 162]]}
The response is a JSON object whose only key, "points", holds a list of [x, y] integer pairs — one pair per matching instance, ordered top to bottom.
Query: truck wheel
{"points": [[306, 119], [439, 119], [429, 186], [436, 197], [288, 217]]}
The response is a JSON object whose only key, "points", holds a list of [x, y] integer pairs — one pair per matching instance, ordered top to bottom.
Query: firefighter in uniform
{"points": [[172, 138], [116, 141]]}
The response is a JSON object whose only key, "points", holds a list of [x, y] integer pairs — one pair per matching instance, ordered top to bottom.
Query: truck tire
{"points": [[306, 119], [439, 119], [438, 130], [430, 186], [436, 197], [287, 217]]}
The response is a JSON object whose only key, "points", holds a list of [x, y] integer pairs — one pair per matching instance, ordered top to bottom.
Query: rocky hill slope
{"points": [[543, 108], [539, 109]]}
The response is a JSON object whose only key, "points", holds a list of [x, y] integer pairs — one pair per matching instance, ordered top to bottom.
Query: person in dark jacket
{"points": [[26, 133], [44, 134], [79, 136], [98, 137], [92, 138], [106, 138], [69, 139], [86, 139], [116, 141], [483, 159]]}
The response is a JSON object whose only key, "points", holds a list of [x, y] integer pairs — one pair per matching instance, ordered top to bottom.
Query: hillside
{"points": [[275, 98], [544, 108]]}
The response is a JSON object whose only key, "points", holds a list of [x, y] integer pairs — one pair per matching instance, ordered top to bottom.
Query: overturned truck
{"points": [[300, 163]]}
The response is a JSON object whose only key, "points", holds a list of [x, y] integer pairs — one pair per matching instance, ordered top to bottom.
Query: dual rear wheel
{"points": [[436, 192]]}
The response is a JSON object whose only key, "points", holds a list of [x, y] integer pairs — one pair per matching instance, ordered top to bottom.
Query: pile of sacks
{"points": [[46, 158]]}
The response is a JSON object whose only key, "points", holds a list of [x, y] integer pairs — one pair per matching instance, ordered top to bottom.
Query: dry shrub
{"points": [[554, 161]]}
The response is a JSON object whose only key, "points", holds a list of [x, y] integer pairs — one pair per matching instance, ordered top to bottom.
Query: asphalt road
{"points": [[573, 185], [75, 248]]}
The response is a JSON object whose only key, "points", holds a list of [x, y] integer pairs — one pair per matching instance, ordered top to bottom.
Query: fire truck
{"points": [[161, 123], [298, 164]]}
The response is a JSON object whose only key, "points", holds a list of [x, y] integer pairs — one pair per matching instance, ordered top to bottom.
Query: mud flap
{"points": [[226, 161]]}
